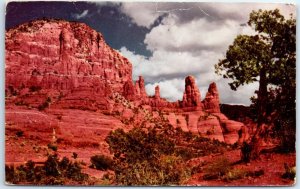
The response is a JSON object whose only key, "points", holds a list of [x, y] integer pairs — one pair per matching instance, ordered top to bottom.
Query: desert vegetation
{"points": [[268, 58], [106, 130], [157, 156], [53, 171]]}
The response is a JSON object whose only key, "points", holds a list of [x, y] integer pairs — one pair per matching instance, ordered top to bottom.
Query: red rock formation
{"points": [[61, 55], [73, 65], [140, 87], [129, 90], [157, 92], [191, 96], [211, 101]]}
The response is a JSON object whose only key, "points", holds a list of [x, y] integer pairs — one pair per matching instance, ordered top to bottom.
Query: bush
{"points": [[35, 88], [13, 91], [43, 106], [19, 133], [52, 147], [245, 152], [140, 155], [145, 157], [101, 162], [51, 166], [217, 169], [168, 170], [54, 172], [290, 172], [235, 174]]}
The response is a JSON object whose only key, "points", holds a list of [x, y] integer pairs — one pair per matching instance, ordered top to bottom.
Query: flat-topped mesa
{"points": [[61, 55], [191, 96], [211, 102]]}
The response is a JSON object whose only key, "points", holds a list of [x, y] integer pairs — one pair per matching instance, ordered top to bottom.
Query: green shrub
{"points": [[35, 88], [13, 91], [43, 106], [59, 117], [19, 133], [52, 147], [245, 152], [138, 154], [74, 155], [146, 157], [101, 162], [51, 166], [217, 169], [168, 170], [54, 172], [290, 172], [235, 174], [107, 179]]}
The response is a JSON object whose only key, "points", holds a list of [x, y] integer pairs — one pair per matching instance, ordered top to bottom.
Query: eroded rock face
{"points": [[61, 55], [71, 63], [129, 90], [191, 96], [211, 101]]}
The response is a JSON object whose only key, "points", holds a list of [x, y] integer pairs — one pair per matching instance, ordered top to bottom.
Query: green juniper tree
{"points": [[268, 58]]}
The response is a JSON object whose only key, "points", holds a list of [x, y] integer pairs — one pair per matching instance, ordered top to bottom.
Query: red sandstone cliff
{"points": [[63, 56], [69, 66]]}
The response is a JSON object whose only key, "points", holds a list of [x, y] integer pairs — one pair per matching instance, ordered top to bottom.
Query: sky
{"points": [[165, 42]]}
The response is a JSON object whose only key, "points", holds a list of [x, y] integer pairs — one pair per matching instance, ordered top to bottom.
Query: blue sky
{"points": [[165, 42]]}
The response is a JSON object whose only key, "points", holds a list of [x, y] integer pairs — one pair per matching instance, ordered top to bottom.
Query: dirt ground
{"points": [[271, 163]]}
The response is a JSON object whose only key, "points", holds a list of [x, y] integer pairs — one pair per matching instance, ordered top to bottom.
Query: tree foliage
{"points": [[272, 49], [269, 57]]}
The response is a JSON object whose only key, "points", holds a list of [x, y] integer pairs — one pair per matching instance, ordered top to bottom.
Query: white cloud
{"points": [[143, 14], [82, 15], [190, 36], [183, 45], [164, 65], [169, 89], [240, 96]]}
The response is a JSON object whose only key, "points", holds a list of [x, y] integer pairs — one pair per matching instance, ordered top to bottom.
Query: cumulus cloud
{"points": [[143, 14], [82, 15], [191, 36], [190, 40], [163, 65], [170, 89]]}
